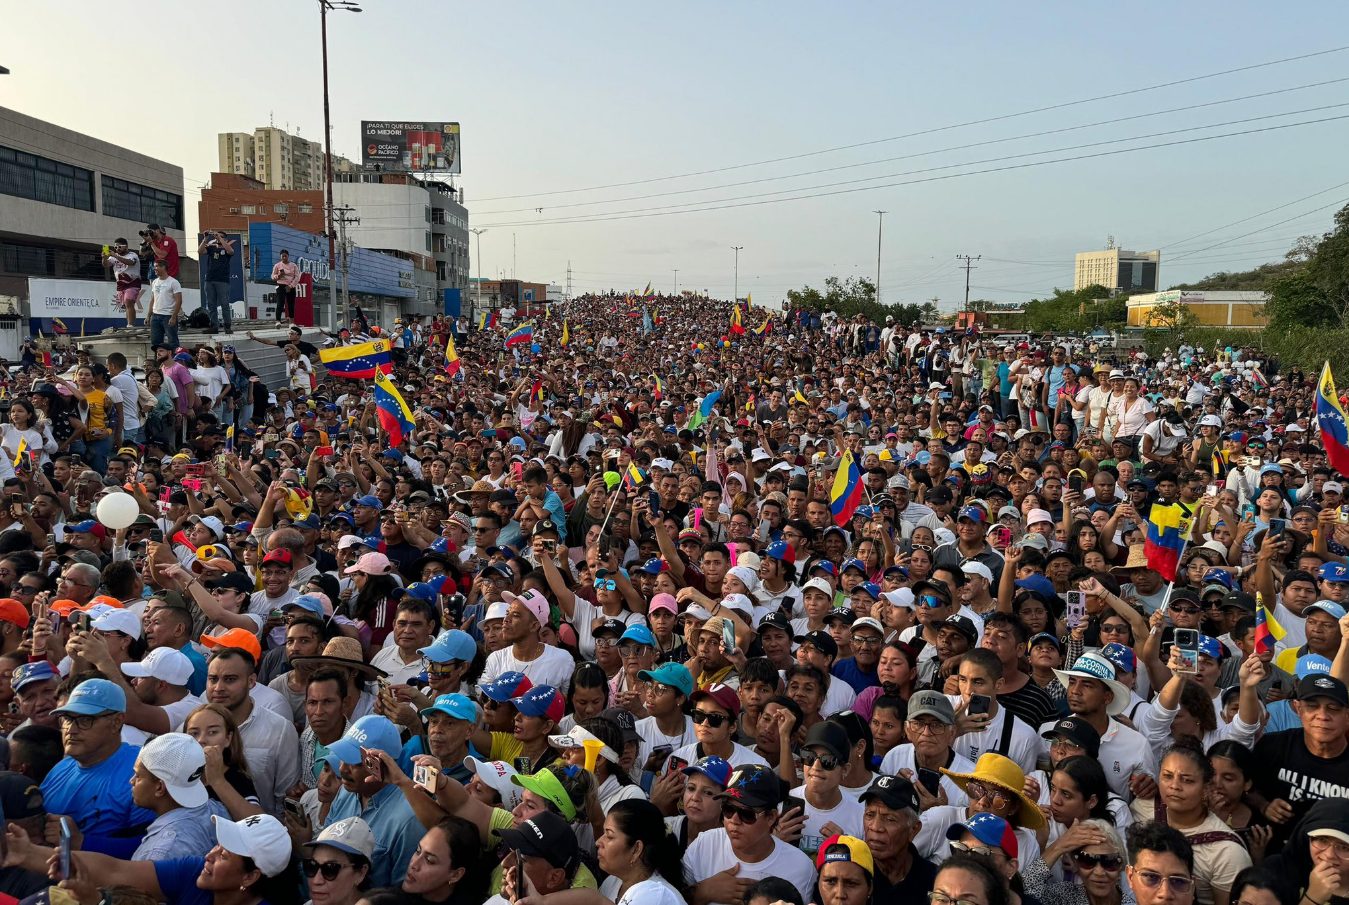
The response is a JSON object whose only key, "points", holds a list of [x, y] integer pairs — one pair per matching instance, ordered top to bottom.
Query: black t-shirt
{"points": [[217, 265], [1031, 703], [1286, 769], [915, 886]]}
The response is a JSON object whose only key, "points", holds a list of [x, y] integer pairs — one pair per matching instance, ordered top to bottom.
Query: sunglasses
{"points": [[924, 547], [606, 584], [931, 601], [1184, 610], [632, 650], [714, 720], [826, 761], [977, 791], [742, 814], [1110, 863], [329, 869], [1178, 884]]}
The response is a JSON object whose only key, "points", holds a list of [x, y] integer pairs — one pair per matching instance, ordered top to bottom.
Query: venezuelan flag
{"points": [[59, 326], [736, 326], [766, 328], [521, 334], [359, 362], [452, 363], [660, 388], [536, 391], [801, 399], [394, 415], [1330, 419], [229, 439], [634, 477], [846, 494], [1165, 539], [1267, 630]]}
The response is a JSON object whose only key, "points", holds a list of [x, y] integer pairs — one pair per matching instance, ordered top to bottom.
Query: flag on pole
{"points": [[648, 293], [749, 300], [647, 325], [59, 326], [736, 326], [767, 327], [521, 335], [566, 335], [359, 362], [452, 363], [1259, 379], [536, 391], [659, 393], [801, 399], [704, 409], [393, 413], [1330, 419], [229, 439], [23, 448], [634, 477], [846, 494], [1167, 527], [1267, 629]]}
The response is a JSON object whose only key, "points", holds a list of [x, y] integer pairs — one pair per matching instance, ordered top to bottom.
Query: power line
{"points": [[935, 129], [643, 213]]}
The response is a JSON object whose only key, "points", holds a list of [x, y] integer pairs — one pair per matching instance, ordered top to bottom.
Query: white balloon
{"points": [[118, 510]]}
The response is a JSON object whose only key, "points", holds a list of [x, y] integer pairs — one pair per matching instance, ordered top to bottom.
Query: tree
{"points": [[1312, 288], [857, 296], [1073, 311], [1174, 315]]}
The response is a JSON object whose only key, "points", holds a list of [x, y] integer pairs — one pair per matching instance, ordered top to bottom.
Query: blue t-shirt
{"points": [[1004, 382], [848, 671], [197, 684], [98, 798], [178, 880]]}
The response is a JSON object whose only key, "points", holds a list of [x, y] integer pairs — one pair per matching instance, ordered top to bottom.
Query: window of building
{"points": [[41, 179], [132, 201], [280, 208], [306, 208], [249, 210], [428, 214], [428, 241], [22, 259]]}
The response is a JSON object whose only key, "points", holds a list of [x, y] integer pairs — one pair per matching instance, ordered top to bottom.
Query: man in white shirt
{"points": [[166, 303], [133, 430], [414, 628], [526, 653], [990, 727], [270, 742], [825, 754]]}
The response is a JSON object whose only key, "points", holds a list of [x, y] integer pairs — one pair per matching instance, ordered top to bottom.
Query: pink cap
{"points": [[1035, 516], [372, 564], [531, 600], [664, 602]]}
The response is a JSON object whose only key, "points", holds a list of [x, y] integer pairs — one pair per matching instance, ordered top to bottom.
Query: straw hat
{"points": [[1138, 559], [341, 651], [1004, 773]]}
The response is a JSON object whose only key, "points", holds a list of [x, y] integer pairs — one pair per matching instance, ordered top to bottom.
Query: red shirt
{"points": [[170, 248]]}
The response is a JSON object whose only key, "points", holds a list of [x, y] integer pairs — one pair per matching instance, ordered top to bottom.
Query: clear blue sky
{"points": [[566, 96]]}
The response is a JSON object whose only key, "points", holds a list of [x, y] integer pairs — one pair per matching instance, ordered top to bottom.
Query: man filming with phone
{"points": [[126, 268]]}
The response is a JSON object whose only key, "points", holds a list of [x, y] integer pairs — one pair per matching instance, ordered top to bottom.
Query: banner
{"points": [[407, 147], [90, 300]]}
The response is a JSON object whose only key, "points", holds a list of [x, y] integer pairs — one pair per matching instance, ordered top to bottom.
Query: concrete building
{"points": [[277, 159], [64, 195], [230, 202], [1118, 270], [1242, 310]]}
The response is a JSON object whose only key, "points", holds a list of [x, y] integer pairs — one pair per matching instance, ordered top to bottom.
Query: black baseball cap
{"points": [[234, 581], [1240, 600], [776, 620], [964, 625], [615, 626], [823, 642], [1321, 685], [1076, 731], [830, 736], [754, 786], [895, 792], [20, 797], [545, 835]]}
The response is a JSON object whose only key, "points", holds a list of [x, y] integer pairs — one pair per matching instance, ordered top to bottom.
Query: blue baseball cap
{"points": [[394, 454], [368, 500], [342, 516], [308, 523], [83, 527], [440, 545], [780, 549], [505, 550], [855, 564], [654, 566], [826, 566], [1331, 571], [1219, 576], [1039, 586], [870, 588], [420, 590], [307, 602], [1329, 607], [639, 633], [1044, 636], [453, 645], [1210, 647], [1121, 655], [1307, 665], [39, 671], [675, 675], [507, 686], [93, 697], [542, 700], [456, 706], [371, 731], [711, 766], [988, 829]]}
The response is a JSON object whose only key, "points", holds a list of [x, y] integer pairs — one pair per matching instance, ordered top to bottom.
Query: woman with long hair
{"points": [[213, 384], [95, 410], [59, 411], [24, 428], [374, 603], [1233, 769], [226, 777], [635, 852], [447, 868]]}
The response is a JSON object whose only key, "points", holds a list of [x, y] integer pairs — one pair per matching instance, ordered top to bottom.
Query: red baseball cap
{"points": [[281, 556], [13, 611], [724, 696]]}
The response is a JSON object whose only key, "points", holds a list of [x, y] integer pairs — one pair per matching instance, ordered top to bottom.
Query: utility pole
{"points": [[335, 6], [343, 218], [880, 220], [477, 233], [513, 256], [968, 267], [676, 273], [569, 281], [736, 292]]}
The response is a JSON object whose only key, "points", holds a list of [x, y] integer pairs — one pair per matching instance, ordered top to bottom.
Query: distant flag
{"points": [[648, 293], [749, 300], [482, 321], [59, 326], [736, 326], [767, 327], [522, 334], [566, 335], [46, 358], [358, 362], [452, 363], [1259, 379], [536, 391], [659, 393], [801, 399], [704, 409], [393, 413], [1331, 420], [229, 439], [23, 448], [846, 494], [1167, 527], [1267, 629]]}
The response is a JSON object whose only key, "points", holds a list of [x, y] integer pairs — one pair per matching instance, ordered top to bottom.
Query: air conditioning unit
{"points": [[234, 210]]}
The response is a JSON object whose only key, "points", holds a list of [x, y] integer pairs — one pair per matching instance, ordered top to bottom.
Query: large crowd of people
{"points": [[670, 601]]}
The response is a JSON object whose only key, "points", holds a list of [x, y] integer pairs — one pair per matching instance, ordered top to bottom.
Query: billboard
{"points": [[401, 147]]}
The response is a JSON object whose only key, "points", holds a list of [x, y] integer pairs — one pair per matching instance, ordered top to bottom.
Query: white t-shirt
{"points": [[164, 291], [131, 413], [1130, 418], [583, 619], [390, 660], [553, 666], [176, 712], [653, 738], [1023, 746], [1124, 751], [740, 755], [901, 758], [847, 814], [711, 854], [652, 891]]}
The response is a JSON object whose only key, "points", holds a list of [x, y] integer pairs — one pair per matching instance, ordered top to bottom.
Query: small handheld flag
{"points": [[59, 326], [736, 326], [766, 327], [522, 334], [566, 335], [452, 363], [659, 392], [704, 409], [1330, 419], [229, 439], [18, 456], [634, 477], [846, 494], [1167, 527], [1267, 630]]}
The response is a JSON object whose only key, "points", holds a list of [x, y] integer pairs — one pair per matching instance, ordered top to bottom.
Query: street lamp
{"points": [[335, 6], [478, 233], [735, 297]]}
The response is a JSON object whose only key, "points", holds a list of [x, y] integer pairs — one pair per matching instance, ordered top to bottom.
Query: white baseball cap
{"points": [[1210, 421], [1332, 487], [1035, 516], [350, 540], [973, 567], [818, 584], [899, 597], [496, 610], [123, 621], [166, 664], [179, 762], [496, 775], [351, 835], [260, 837]]}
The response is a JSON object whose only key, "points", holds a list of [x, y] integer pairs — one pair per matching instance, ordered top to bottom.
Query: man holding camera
{"points": [[164, 248], [215, 251], [126, 267]]}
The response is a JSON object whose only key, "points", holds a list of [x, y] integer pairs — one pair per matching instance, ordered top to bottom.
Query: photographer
{"points": [[164, 248], [215, 251], [126, 267]]}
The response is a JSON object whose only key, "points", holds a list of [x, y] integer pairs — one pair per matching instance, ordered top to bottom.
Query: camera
{"points": [[143, 233]]}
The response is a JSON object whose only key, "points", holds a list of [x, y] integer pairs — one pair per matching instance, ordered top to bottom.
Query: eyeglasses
{"points": [[606, 584], [931, 601], [1184, 610], [866, 641], [606, 642], [632, 650], [660, 688], [713, 720], [82, 723], [925, 727], [826, 761], [977, 791], [742, 814], [1325, 843], [987, 851], [1109, 863], [329, 869], [1178, 884], [941, 898]]}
